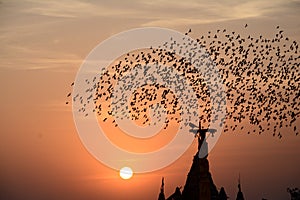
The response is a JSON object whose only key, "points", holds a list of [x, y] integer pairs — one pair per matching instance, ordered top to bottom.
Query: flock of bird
{"points": [[261, 79]]}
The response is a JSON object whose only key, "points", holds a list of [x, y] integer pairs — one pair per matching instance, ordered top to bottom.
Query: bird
{"points": [[261, 77]]}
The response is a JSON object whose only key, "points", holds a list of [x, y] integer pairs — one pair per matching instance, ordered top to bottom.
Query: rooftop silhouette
{"points": [[199, 183]]}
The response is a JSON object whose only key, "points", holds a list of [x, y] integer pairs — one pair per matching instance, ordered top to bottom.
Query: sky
{"points": [[42, 46]]}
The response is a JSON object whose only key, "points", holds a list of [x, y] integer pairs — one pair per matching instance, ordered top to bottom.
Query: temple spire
{"points": [[239, 182], [199, 183], [162, 188], [239, 195]]}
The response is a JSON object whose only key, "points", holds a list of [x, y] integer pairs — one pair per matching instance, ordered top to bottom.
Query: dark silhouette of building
{"points": [[199, 183], [162, 192], [295, 193], [222, 194], [176, 195], [239, 195]]}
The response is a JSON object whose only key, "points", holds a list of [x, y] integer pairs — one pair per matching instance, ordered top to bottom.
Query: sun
{"points": [[126, 173]]}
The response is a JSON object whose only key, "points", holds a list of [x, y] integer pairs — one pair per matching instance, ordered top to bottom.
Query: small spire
{"points": [[239, 182], [162, 192], [222, 194], [239, 195]]}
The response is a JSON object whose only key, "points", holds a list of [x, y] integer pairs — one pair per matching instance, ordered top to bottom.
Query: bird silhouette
{"points": [[261, 78]]}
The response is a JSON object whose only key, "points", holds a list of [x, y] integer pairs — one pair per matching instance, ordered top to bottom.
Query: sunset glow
{"points": [[43, 45], [126, 173]]}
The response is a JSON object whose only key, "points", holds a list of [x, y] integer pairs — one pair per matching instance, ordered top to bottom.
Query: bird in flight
{"points": [[261, 78]]}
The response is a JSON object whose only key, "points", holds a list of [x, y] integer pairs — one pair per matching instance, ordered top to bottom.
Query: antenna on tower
{"points": [[239, 182], [162, 192], [240, 195]]}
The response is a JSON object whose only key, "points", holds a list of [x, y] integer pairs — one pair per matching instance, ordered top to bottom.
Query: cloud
{"points": [[58, 8], [73, 9], [156, 9], [159, 12], [204, 12], [31, 39], [29, 58]]}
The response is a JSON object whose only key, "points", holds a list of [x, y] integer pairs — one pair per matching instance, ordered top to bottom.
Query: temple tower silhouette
{"points": [[199, 183]]}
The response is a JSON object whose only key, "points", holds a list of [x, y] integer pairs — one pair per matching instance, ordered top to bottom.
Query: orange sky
{"points": [[42, 45]]}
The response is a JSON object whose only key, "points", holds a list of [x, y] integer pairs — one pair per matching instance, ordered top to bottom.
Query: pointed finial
{"points": [[239, 182], [162, 192], [240, 195]]}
